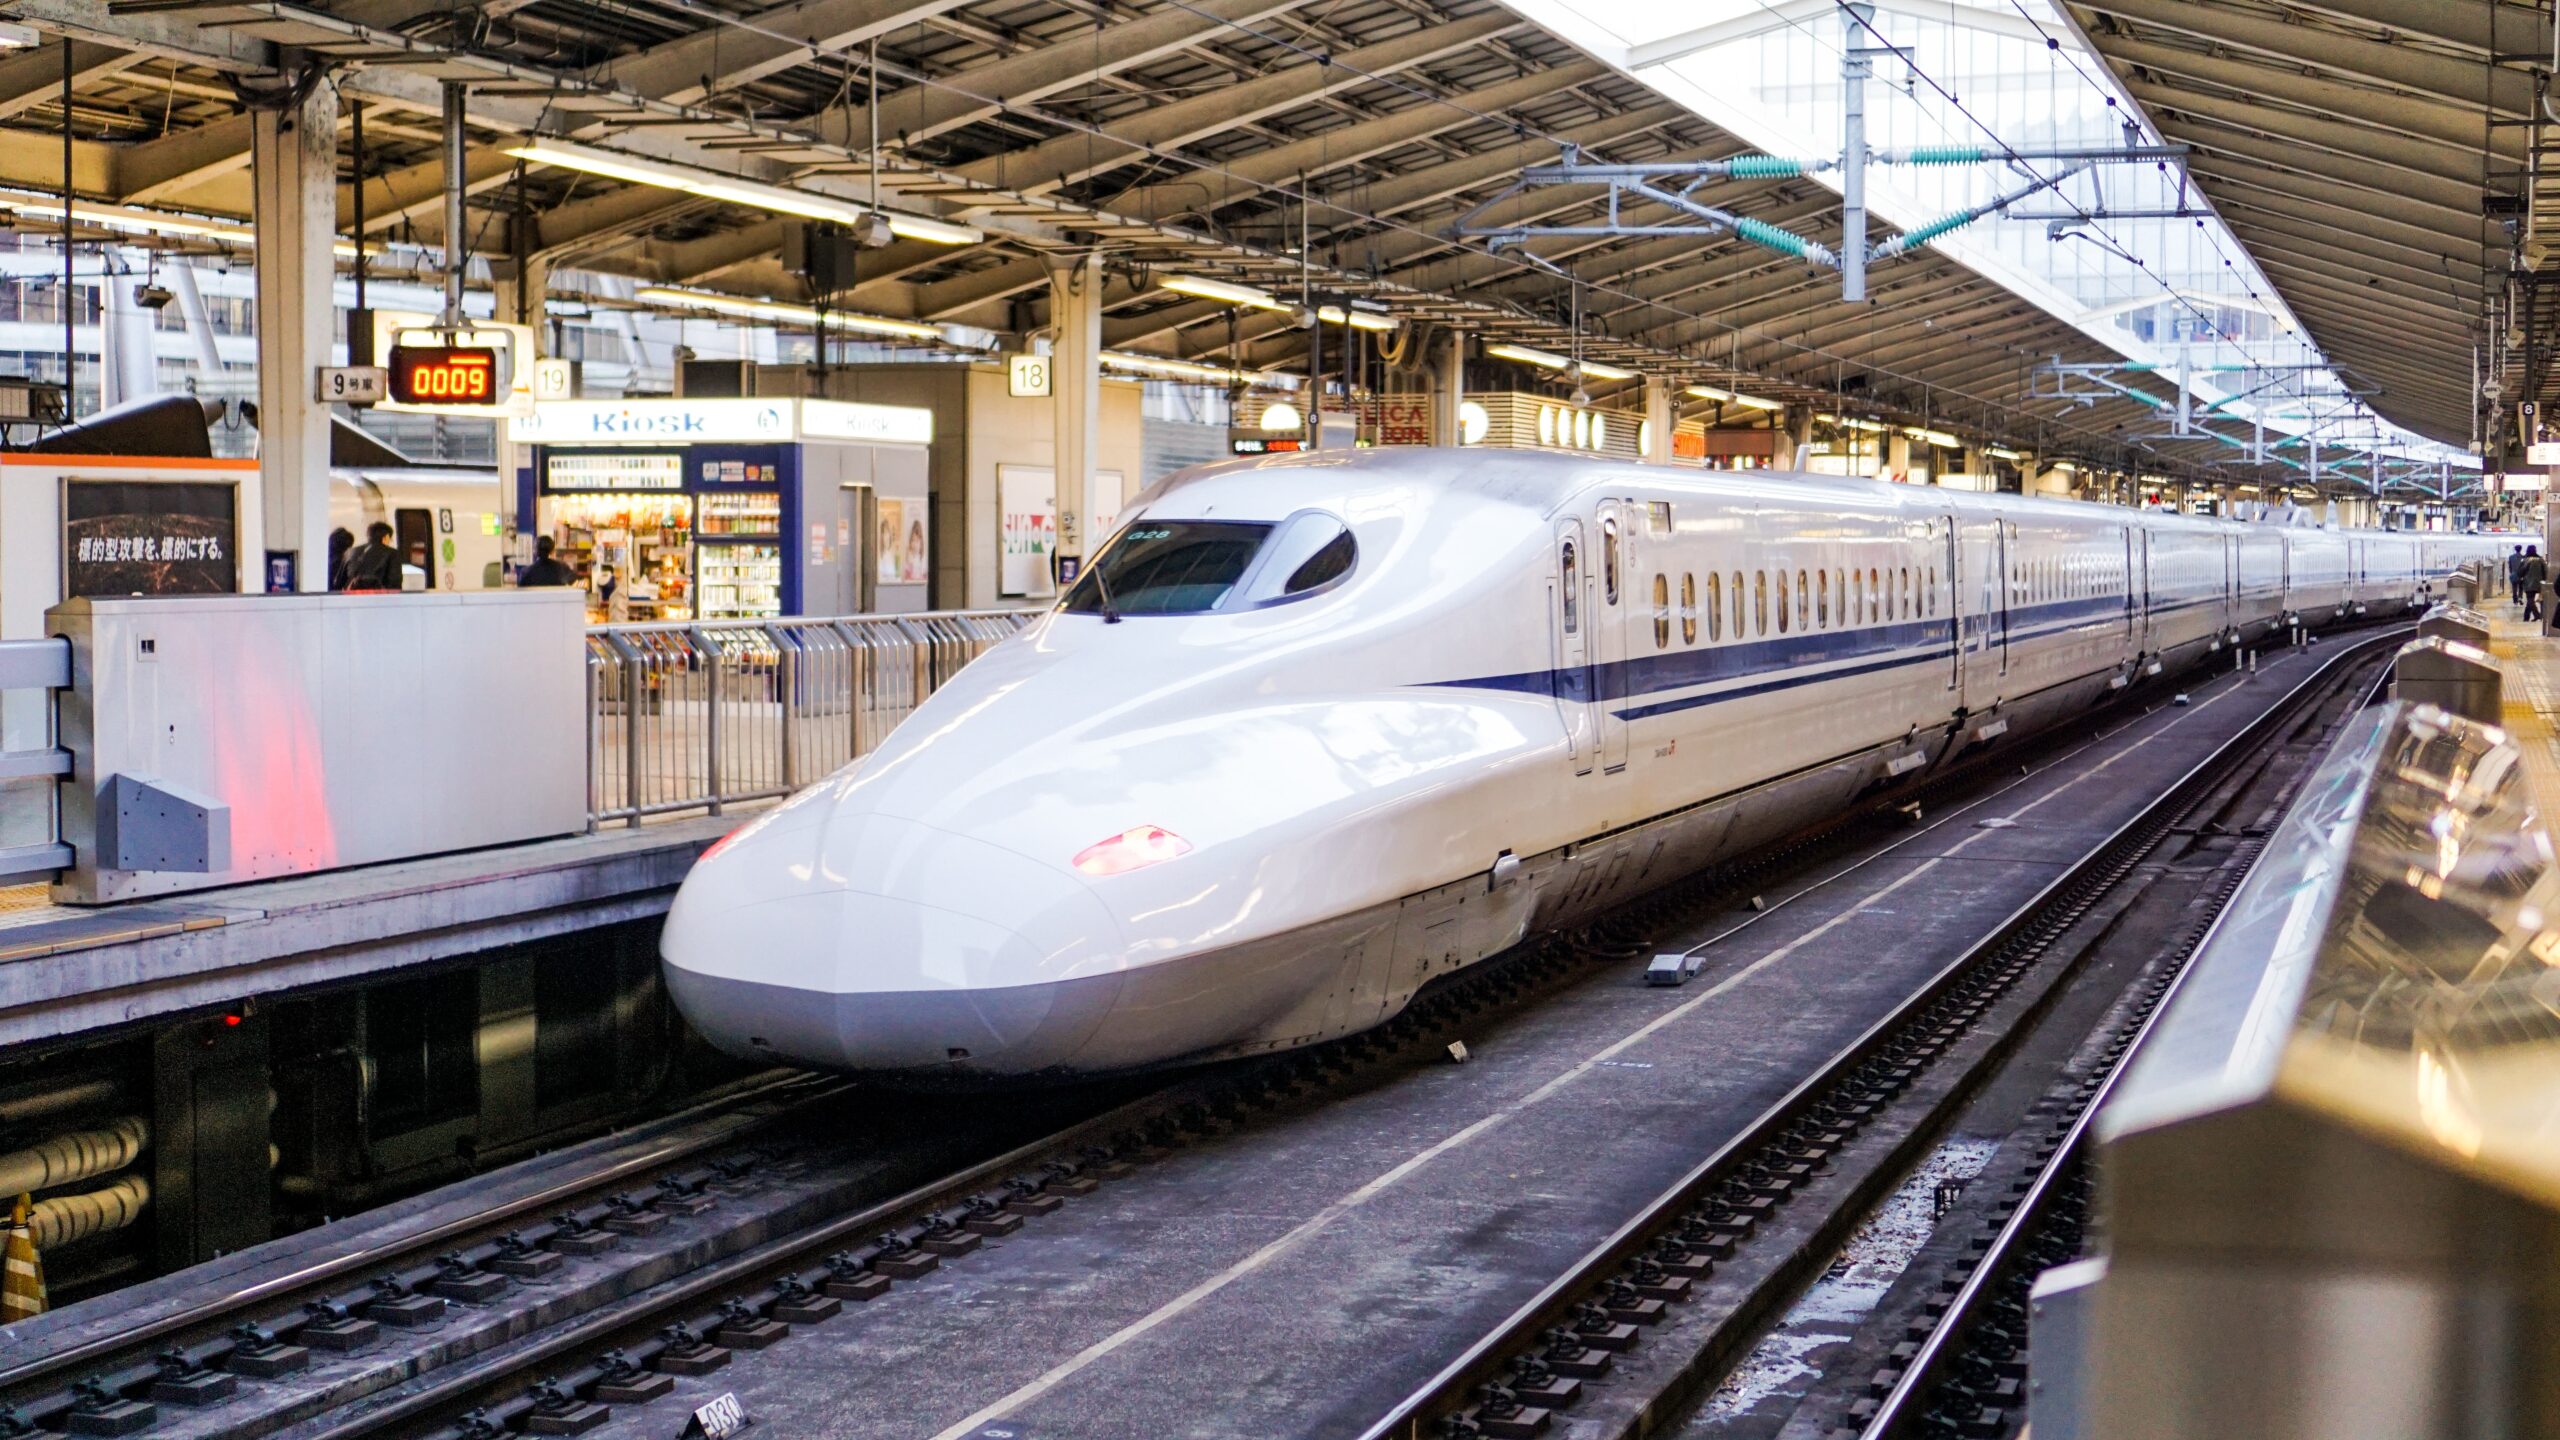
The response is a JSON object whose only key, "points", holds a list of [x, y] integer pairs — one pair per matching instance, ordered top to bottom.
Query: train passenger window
{"points": [[1609, 559], [1168, 567], [1572, 590], [1857, 597], [1929, 597], [1821, 598], [1877, 599], [1760, 602], [1782, 602], [1715, 606], [1688, 608], [1661, 611], [1804, 619], [1738, 631]]}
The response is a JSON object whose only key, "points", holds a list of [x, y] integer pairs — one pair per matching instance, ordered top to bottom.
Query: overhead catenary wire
{"points": [[1303, 196]]}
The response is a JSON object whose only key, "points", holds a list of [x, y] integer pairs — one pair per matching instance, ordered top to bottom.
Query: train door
{"points": [[414, 533], [2009, 579], [2230, 579], [2137, 587], [1956, 607], [1568, 614], [1609, 654]]}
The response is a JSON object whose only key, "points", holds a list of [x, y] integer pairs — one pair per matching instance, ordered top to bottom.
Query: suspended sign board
{"points": [[394, 330], [445, 375]]}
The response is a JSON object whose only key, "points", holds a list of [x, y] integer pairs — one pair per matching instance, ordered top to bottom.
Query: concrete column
{"points": [[293, 158], [1075, 389], [1661, 416], [1799, 427], [1445, 429], [1897, 455]]}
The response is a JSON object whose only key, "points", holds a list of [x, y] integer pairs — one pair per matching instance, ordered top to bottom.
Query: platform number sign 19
{"points": [[1027, 375], [718, 1420]]}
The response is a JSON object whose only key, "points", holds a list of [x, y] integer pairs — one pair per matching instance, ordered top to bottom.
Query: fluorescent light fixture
{"points": [[713, 186], [126, 217], [937, 232], [1222, 290], [748, 308], [1356, 319], [1543, 359], [1549, 360], [1172, 369], [1728, 397], [1852, 422], [1932, 437], [2003, 452]]}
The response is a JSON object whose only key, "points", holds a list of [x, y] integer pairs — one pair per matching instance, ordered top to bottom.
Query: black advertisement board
{"points": [[150, 537]]}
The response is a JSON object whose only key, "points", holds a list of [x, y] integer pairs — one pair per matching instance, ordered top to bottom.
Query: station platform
{"points": [[2531, 709], [71, 971]]}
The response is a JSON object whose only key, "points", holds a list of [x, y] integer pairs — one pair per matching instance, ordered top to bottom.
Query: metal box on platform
{"points": [[2457, 678], [315, 732]]}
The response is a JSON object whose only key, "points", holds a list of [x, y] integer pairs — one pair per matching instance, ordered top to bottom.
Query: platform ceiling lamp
{"points": [[711, 185], [1223, 291], [746, 307], [1549, 360]]}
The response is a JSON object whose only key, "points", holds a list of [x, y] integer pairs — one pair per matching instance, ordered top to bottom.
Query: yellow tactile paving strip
{"points": [[2530, 708]]}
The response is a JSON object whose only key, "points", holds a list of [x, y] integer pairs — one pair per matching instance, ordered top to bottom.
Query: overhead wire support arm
{"points": [[1643, 182], [1913, 239]]}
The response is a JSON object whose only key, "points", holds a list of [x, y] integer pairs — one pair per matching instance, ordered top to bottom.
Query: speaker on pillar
{"points": [[828, 256]]}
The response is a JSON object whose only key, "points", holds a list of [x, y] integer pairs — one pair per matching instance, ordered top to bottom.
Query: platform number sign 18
{"points": [[1027, 375], [717, 1420]]}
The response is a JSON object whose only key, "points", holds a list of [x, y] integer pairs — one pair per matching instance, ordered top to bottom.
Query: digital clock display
{"points": [[444, 375]]}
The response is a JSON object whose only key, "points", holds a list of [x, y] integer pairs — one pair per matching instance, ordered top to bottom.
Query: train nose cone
{"points": [[876, 943]]}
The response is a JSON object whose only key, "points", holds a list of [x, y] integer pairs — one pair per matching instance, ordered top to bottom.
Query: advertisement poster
{"points": [[1026, 529], [145, 537], [905, 540]]}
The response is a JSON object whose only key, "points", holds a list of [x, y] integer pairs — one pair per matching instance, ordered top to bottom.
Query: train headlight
{"points": [[1133, 849]]}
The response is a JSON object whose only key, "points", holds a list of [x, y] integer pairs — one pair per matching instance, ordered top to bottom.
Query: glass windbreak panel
{"points": [[1168, 567]]}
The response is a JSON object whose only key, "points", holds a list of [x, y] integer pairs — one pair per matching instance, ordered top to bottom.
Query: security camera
{"points": [[151, 297], [1303, 316], [1580, 396]]}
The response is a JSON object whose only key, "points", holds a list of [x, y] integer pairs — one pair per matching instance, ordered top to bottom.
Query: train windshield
{"points": [[1168, 567]]}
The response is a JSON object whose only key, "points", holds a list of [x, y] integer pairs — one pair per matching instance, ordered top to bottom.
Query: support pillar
{"points": [[293, 157], [1075, 390], [1661, 417], [1446, 429], [1897, 457]]}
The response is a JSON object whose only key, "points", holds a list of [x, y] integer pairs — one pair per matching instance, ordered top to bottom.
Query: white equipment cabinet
{"points": [[255, 736]]}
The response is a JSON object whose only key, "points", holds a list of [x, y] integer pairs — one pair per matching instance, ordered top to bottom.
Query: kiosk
{"points": [[729, 509]]}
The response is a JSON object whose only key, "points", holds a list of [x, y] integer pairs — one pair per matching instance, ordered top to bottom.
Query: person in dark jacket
{"points": [[341, 540], [374, 565], [545, 571], [2531, 580]]}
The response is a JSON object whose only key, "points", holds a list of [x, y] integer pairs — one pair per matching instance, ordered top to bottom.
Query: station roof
{"points": [[1269, 142]]}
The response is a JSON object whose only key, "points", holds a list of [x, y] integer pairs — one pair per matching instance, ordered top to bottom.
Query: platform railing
{"points": [[33, 673], [699, 715]]}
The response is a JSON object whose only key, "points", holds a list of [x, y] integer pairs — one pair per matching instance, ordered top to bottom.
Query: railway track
{"points": [[511, 1346], [1566, 1346]]}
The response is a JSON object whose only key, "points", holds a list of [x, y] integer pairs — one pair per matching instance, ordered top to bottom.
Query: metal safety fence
{"points": [[696, 715]]}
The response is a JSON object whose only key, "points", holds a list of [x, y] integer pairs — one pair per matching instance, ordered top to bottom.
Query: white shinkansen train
{"points": [[1315, 730]]}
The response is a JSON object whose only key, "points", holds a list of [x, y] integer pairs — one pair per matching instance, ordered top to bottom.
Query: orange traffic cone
{"points": [[22, 1276]]}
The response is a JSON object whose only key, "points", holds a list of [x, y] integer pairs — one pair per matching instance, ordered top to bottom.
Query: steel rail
{"points": [[746, 1268], [1944, 1341], [90, 1354], [1446, 1391]]}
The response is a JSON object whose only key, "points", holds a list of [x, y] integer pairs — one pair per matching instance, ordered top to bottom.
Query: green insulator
{"points": [[1945, 155], [1763, 167], [1761, 232], [1914, 239]]}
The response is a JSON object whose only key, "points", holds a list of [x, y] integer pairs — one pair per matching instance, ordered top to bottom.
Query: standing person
{"points": [[341, 540], [374, 565], [544, 570], [2515, 575], [2530, 581]]}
